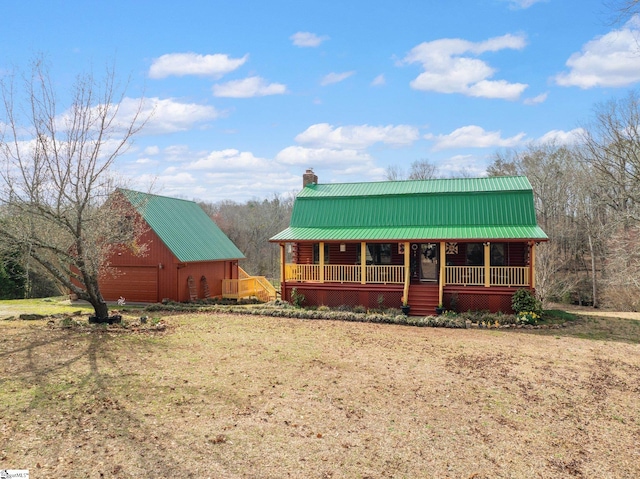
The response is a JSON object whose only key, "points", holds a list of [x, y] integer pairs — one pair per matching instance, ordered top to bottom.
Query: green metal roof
{"points": [[435, 186], [464, 208], [184, 228], [411, 233]]}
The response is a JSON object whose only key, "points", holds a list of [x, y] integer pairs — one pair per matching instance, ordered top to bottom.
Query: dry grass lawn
{"points": [[224, 396]]}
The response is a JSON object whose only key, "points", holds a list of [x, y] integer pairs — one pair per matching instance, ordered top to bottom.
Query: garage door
{"points": [[134, 283]]}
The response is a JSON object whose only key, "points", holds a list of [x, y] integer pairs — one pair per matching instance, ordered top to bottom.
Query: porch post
{"points": [[363, 262], [487, 264], [532, 266], [407, 272], [321, 274], [442, 280], [283, 284]]}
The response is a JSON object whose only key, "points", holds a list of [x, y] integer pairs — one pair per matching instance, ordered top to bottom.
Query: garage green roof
{"points": [[442, 209], [183, 227]]}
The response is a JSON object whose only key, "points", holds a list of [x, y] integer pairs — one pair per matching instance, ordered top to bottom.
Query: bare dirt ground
{"points": [[224, 396]]}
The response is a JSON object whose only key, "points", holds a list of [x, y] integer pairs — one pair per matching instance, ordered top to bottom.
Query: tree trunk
{"points": [[593, 272], [95, 299], [101, 309]]}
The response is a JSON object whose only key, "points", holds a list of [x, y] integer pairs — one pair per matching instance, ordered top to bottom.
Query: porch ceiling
{"points": [[409, 233]]}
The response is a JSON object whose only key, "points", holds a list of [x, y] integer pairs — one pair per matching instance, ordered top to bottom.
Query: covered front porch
{"points": [[425, 271]]}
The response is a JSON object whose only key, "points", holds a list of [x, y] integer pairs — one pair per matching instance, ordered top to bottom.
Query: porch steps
{"points": [[423, 299]]}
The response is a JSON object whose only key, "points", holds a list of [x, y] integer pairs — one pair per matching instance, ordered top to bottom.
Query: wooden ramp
{"points": [[247, 286]]}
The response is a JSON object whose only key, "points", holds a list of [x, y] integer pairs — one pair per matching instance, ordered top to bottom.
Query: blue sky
{"points": [[249, 94]]}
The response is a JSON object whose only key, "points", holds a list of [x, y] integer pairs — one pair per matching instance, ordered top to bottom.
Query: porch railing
{"points": [[344, 273], [392, 274], [467, 275], [498, 275], [509, 275]]}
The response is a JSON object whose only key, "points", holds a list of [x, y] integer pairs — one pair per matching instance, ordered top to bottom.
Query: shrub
{"points": [[297, 298], [524, 300], [453, 302], [527, 317]]}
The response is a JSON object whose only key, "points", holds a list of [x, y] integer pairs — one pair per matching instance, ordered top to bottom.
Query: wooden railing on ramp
{"points": [[247, 286]]}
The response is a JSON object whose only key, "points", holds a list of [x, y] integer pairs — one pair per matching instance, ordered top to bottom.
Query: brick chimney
{"points": [[309, 178]]}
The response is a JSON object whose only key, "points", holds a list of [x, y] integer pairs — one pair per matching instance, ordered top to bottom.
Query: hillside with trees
{"points": [[587, 197]]}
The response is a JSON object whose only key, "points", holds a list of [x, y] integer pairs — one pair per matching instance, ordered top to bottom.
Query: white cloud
{"points": [[523, 4], [307, 39], [612, 60], [181, 64], [446, 70], [335, 77], [379, 80], [248, 88], [497, 89], [536, 99], [167, 115], [161, 116], [473, 136], [358, 137], [562, 137], [152, 150], [178, 153], [298, 155], [230, 159], [146, 161], [462, 165], [213, 175], [176, 177], [178, 184], [250, 185]]}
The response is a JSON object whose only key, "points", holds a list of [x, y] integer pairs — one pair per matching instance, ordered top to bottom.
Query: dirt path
{"points": [[601, 313]]}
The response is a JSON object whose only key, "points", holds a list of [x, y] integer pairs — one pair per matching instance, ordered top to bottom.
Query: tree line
{"points": [[587, 198], [250, 225]]}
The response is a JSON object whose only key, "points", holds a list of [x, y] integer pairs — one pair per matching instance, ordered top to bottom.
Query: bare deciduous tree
{"points": [[623, 9], [612, 148], [505, 164], [419, 170], [422, 170], [394, 173], [56, 178], [565, 204], [621, 286]]}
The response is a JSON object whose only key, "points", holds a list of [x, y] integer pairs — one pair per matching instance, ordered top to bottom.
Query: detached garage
{"points": [[187, 256], [141, 281]]}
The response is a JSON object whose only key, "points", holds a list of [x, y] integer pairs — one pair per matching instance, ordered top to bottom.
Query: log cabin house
{"points": [[463, 244]]}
